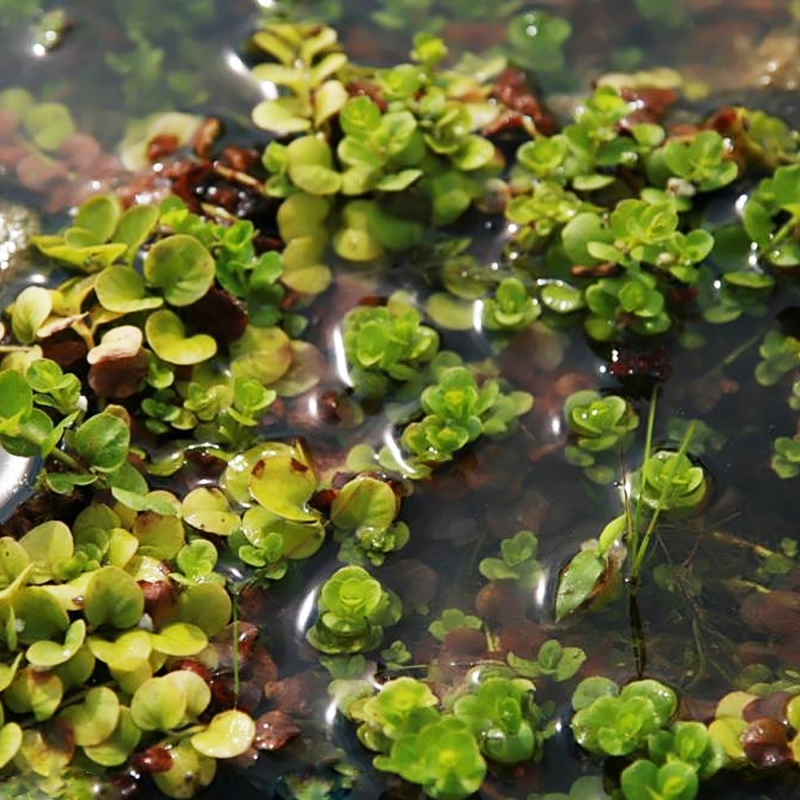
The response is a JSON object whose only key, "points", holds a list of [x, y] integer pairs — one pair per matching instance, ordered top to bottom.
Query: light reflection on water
{"points": [[467, 516]]}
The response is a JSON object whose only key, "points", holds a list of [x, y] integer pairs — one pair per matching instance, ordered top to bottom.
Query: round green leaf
{"points": [[280, 116], [48, 125], [99, 215], [133, 228], [181, 267], [121, 289], [31, 308], [452, 313], [166, 334], [263, 354], [102, 442], [283, 482], [364, 502], [208, 510], [159, 536], [47, 545], [113, 598], [206, 605], [41, 614], [179, 639], [127, 652], [45, 654], [77, 670], [194, 688], [39, 693], [158, 705], [95, 719], [229, 734], [10, 742], [116, 748], [43, 755], [190, 772]]}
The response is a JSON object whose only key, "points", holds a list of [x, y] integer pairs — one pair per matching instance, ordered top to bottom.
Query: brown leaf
{"points": [[274, 729]]}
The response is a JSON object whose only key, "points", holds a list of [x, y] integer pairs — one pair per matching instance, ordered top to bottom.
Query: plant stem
{"points": [[784, 230], [59, 455], [633, 529], [758, 550], [639, 554], [637, 630], [235, 653]]}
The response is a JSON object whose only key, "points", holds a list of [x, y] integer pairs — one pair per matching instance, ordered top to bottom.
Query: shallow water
{"points": [[460, 517]]}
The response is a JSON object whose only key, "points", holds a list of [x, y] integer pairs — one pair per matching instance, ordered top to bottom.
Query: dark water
{"points": [[453, 525]]}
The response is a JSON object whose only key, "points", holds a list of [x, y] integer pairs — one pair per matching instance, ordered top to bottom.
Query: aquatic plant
{"points": [[770, 216], [387, 343], [172, 351], [458, 411], [599, 425], [668, 481], [364, 514], [353, 610], [494, 717], [617, 722], [442, 757]]}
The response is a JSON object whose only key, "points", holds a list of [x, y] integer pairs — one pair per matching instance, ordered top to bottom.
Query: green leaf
{"points": [[48, 124], [310, 166], [99, 215], [134, 228], [181, 267], [121, 289], [31, 308], [166, 334], [262, 354], [16, 397], [103, 441], [364, 502], [578, 581], [114, 598], [179, 639], [46, 654], [158, 705], [94, 719], [229, 734], [10, 742], [116, 748]]}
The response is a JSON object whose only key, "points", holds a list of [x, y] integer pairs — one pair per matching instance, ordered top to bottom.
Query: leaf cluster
{"points": [[412, 134], [387, 344], [457, 411], [599, 426], [275, 481], [364, 514], [517, 561], [353, 609], [80, 652], [611, 721], [445, 750]]}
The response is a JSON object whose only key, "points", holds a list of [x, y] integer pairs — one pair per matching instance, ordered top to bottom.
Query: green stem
{"points": [[784, 230], [58, 455], [67, 460], [633, 529], [640, 553], [638, 641], [235, 653]]}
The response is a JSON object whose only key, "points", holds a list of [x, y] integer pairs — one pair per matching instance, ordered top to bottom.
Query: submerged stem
{"points": [[637, 629]]}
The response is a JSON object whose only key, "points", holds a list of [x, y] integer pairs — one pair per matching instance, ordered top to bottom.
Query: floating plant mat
{"points": [[376, 425]]}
